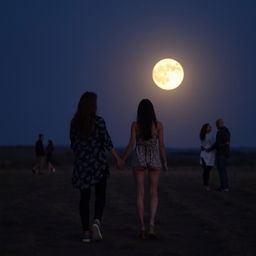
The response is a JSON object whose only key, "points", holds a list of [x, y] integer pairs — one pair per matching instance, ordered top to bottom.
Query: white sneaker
{"points": [[96, 232], [86, 238]]}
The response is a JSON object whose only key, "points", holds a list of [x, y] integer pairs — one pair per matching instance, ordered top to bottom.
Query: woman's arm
{"points": [[104, 135], [132, 141], [107, 142], [213, 145], [162, 146], [119, 161]]}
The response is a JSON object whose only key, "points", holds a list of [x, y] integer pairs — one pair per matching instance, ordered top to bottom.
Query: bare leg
{"points": [[38, 166], [50, 167], [35, 168], [53, 169], [139, 175], [153, 183]]}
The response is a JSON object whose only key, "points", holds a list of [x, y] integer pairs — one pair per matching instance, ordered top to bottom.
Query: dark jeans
{"points": [[221, 162], [206, 173], [100, 199]]}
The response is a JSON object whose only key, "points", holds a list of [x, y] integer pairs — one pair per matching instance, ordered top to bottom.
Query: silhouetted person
{"points": [[147, 136], [89, 141], [222, 146], [49, 151], [40, 155], [207, 159]]}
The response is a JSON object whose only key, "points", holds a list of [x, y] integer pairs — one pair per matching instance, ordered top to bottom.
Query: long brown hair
{"points": [[85, 115], [145, 118], [203, 131]]}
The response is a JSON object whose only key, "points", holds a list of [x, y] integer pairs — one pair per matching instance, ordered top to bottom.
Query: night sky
{"points": [[53, 51]]}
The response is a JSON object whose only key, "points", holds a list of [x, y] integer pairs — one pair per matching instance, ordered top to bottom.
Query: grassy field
{"points": [[39, 213]]}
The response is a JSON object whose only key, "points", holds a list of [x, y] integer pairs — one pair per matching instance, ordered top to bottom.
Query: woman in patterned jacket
{"points": [[89, 142]]}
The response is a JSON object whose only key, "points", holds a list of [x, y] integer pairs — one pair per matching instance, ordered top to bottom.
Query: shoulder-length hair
{"points": [[85, 115], [145, 118], [203, 131]]}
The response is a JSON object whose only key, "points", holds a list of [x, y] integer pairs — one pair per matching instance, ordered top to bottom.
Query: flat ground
{"points": [[39, 215]]}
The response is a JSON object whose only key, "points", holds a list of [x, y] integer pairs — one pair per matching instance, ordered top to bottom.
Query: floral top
{"points": [[146, 153], [90, 163]]}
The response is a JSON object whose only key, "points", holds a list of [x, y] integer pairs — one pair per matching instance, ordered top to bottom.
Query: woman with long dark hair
{"points": [[89, 141], [148, 154], [207, 158]]}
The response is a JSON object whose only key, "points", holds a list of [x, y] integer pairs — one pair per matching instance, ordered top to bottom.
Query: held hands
{"points": [[120, 163], [165, 167]]}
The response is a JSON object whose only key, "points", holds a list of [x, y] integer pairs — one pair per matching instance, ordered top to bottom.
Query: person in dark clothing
{"points": [[89, 141], [222, 147], [49, 152], [40, 155]]}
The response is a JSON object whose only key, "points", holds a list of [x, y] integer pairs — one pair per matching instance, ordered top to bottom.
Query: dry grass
{"points": [[39, 215]]}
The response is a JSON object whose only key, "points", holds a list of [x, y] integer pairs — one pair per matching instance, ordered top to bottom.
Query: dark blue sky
{"points": [[53, 51]]}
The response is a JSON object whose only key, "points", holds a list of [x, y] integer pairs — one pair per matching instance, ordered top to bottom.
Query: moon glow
{"points": [[168, 74]]}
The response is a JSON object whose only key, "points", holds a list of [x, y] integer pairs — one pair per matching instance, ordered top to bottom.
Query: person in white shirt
{"points": [[207, 159]]}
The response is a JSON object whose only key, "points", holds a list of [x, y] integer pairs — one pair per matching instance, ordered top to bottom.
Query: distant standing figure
{"points": [[147, 137], [89, 142], [222, 146], [49, 152], [40, 155], [207, 159]]}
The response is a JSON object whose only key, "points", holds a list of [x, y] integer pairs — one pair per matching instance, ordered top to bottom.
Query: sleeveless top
{"points": [[146, 153]]}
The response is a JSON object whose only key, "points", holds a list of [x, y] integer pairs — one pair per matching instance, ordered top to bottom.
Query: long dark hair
{"points": [[85, 115], [145, 118], [203, 131], [50, 145]]}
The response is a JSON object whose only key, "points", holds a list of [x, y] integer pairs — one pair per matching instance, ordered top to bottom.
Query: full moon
{"points": [[168, 74]]}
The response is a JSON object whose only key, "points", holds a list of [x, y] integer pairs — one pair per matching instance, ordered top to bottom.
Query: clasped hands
{"points": [[120, 163]]}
